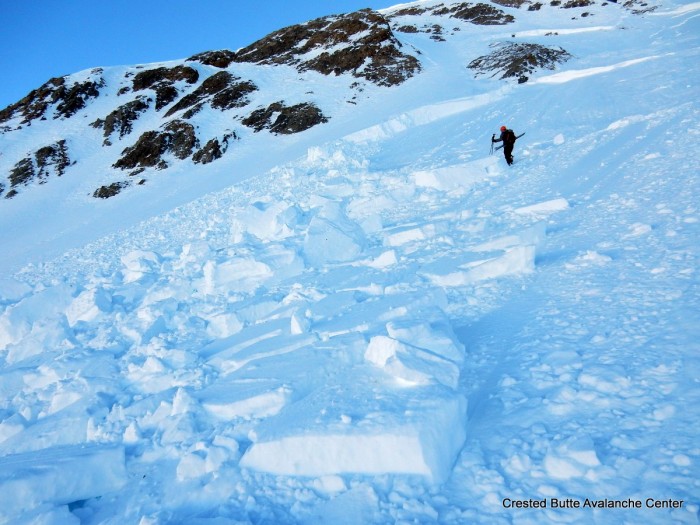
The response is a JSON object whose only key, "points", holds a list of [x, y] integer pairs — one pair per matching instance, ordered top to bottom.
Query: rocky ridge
{"points": [[156, 123]]}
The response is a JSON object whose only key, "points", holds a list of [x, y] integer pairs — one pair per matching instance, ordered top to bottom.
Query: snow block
{"points": [[451, 178], [544, 208], [266, 221], [533, 236], [332, 237], [516, 260], [138, 263], [236, 275], [12, 290], [88, 306], [31, 315], [435, 336], [409, 364], [245, 400], [353, 433], [58, 476]]}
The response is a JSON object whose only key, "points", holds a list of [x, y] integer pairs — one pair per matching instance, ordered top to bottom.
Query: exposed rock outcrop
{"points": [[512, 3], [480, 14], [359, 43], [222, 58], [517, 60], [162, 80], [222, 90], [68, 99], [121, 119], [285, 120], [177, 138], [213, 149], [39, 166], [105, 192]]}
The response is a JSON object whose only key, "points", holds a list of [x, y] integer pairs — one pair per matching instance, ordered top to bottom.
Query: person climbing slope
{"points": [[508, 138]]}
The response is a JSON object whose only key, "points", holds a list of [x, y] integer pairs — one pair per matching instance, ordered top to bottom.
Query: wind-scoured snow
{"points": [[377, 321]]}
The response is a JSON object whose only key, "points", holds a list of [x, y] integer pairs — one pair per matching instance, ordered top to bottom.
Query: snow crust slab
{"points": [[415, 431], [59, 476]]}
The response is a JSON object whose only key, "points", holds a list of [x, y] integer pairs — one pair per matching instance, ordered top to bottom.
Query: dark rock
{"points": [[511, 3], [577, 3], [535, 7], [639, 7], [411, 11], [481, 14], [407, 29], [436, 31], [359, 43], [222, 58], [518, 60], [152, 77], [162, 81], [223, 89], [233, 96], [74, 99], [69, 100], [122, 118], [288, 120], [177, 137], [213, 150], [209, 153], [52, 158], [40, 165], [22, 173], [105, 192], [11, 194]]}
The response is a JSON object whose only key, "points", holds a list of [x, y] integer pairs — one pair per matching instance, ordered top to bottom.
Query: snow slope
{"points": [[379, 322]]}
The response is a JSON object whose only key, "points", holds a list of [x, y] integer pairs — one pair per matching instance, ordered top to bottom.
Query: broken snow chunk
{"points": [[544, 208], [267, 221], [405, 236], [532, 236], [332, 237], [385, 260], [515, 261], [138, 263], [237, 275], [88, 306], [35, 320], [300, 323], [223, 324], [436, 337], [410, 365], [233, 400], [11, 426], [389, 433], [191, 466], [58, 476]]}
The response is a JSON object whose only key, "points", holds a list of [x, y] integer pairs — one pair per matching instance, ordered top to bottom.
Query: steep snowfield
{"points": [[376, 321]]}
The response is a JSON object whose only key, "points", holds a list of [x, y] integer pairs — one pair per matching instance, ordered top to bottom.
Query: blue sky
{"points": [[42, 39]]}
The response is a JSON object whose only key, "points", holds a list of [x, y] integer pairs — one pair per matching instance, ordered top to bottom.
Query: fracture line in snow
{"points": [[690, 8], [545, 32], [567, 76], [422, 116]]}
